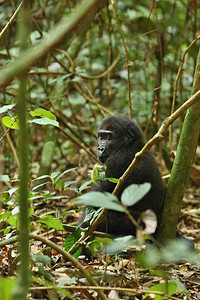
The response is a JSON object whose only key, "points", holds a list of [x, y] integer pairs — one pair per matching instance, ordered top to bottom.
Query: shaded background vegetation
{"points": [[85, 79], [71, 86]]}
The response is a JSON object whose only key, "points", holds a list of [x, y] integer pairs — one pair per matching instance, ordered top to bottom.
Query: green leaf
{"points": [[6, 108], [43, 113], [45, 121], [11, 122], [65, 172], [98, 172], [54, 174], [41, 177], [4, 178], [114, 180], [68, 183], [59, 184], [86, 185], [39, 186], [12, 191], [134, 192], [56, 197], [99, 199], [4, 215], [90, 215], [13, 220], [51, 222], [71, 240], [97, 244], [120, 244], [177, 250], [149, 257], [44, 259], [46, 274], [67, 281], [6, 287], [168, 288]]}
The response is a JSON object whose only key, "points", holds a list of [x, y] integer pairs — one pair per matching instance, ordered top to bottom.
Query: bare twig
{"points": [[11, 19], [127, 58], [176, 85], [91, 100], [6, 133], [105, 288]]}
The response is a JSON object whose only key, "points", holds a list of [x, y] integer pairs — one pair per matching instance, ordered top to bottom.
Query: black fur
{"points": [[125, 139]]}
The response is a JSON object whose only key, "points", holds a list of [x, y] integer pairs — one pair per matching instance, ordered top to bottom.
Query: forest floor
{"points": [[119, 276]]}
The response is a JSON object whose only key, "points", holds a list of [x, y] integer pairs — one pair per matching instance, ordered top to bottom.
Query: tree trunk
{"points": [[181, 167]]}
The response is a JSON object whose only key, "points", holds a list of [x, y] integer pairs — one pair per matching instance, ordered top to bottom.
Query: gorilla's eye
{"points": [[105, 135], [109, 135]]}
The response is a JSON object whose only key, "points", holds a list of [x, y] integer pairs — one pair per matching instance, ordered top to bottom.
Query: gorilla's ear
{"points": [[131, 132]]}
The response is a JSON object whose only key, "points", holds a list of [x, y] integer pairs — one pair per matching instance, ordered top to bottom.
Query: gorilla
{"points": [[119, 139]]}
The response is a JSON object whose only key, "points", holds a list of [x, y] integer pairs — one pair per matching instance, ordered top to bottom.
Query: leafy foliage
{"points": [[69, 91]]}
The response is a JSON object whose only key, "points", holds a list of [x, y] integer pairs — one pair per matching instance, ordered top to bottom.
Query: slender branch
{"points": [[11, 19], [127, 58], [103, 74], [176, 85], [93, 101], [6, 133], [78, 143], [105, 288]]}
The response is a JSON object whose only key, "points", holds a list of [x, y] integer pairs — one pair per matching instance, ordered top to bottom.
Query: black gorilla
{"points": [[119, 139]]}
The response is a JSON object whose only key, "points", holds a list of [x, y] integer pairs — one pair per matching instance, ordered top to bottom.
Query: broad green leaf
{"points": [[6, 108], [43, 113], [45, 121], [11, 122], [54, 174], [4, 178], [68, 183], [59, 184], [86, 185], [12, 191], [134, 192], [99, 199], [4, 215], [90, 215], [13, 220], [51, 222], [7, 230], [72, 239], [97, 244], [120, 244], [178, 249], [149, 257], [44, 259], [45, 273], [67, 281], [6, 287], [168, 288]]}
